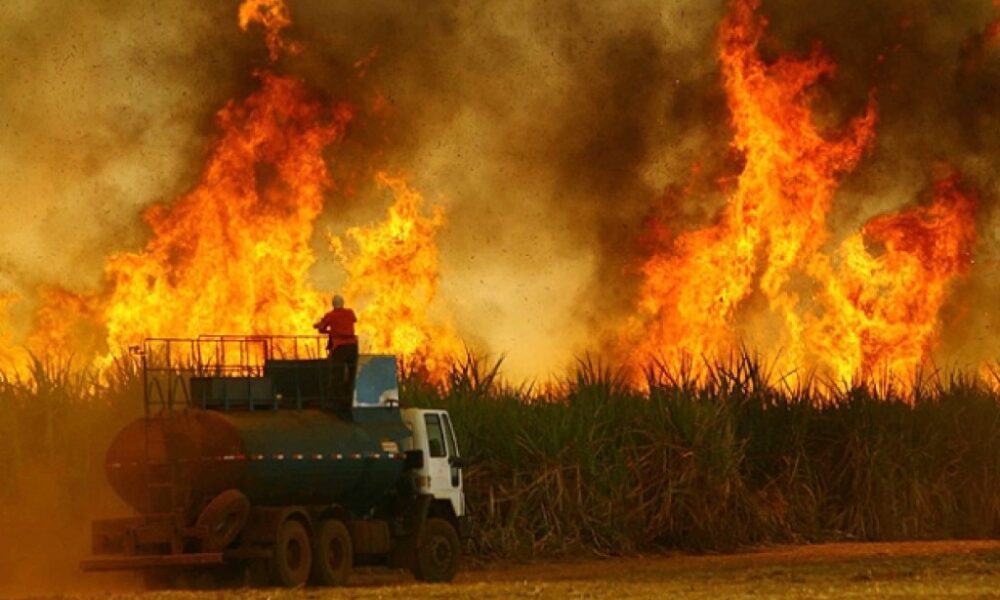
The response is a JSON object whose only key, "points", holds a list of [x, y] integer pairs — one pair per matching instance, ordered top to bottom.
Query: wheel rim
{"points": [[440, 552], [293, 554], [335, 554]]}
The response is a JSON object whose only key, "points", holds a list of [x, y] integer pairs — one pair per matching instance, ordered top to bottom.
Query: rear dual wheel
{"points": [[333, 553], [328, 557], [291, 560]]}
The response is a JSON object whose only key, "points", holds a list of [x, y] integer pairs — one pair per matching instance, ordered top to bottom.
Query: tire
{"points": [[224, 518], [438, 552], [333, 554], [292, 557]]}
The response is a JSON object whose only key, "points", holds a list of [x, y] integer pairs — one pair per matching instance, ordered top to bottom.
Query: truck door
{"points": [[446, 479]]}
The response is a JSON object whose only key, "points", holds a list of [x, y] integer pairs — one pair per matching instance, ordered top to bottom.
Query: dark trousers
{"points": [[344, 370]]}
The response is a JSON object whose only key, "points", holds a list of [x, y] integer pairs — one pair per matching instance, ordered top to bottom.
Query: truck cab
{"points": [[436, 469]]}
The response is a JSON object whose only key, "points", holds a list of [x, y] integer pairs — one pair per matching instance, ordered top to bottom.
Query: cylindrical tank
{"points": [[276, 458]]}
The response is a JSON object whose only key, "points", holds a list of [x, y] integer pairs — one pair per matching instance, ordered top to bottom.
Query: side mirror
{"points": [[414, 459], [458, 462]]}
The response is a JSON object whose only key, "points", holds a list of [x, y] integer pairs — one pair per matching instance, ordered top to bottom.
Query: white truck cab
{"points": [[439, 473]]}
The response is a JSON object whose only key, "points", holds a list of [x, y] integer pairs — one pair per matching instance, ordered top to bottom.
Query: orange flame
{"points": [[273, 15], [765, 248], [233, 255], [393, 270], [689, 298], [881, 310], [11, 360]]}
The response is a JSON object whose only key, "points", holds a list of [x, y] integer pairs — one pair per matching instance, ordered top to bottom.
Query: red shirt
{"points": [[339, 324]]}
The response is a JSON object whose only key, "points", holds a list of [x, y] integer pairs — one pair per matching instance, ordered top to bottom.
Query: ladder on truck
{"points": [[169, 368], [164, 391]]}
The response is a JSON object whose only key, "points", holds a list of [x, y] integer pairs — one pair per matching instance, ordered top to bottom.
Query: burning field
{"points": [[816, 188], [739, 258]]}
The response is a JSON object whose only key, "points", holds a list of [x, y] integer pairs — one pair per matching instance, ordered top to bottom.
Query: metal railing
{"points": [[169, 364]]}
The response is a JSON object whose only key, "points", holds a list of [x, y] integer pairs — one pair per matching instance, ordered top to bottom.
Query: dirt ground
{"points": [[901, 570]]}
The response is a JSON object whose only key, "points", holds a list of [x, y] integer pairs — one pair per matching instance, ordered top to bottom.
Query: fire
{"points": [[273, 15], [767, 246], [234, 254], [393, 270], [690, 296], [881, 309], [10, 359]]}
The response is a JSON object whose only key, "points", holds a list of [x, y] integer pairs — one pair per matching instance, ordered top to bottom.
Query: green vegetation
{"points": [[56, 422], [597, 466]]}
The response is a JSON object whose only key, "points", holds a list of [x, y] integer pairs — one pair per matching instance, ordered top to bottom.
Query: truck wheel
{"points": [[224, 518], [438, 552], [333, 553], [292, 556]]}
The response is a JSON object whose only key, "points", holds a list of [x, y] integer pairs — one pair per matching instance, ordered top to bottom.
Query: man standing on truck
{"points": [[343, 349]]}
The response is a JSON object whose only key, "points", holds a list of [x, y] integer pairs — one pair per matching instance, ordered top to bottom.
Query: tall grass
{"points": [[58, 419], [726, 461], [593, 464]]}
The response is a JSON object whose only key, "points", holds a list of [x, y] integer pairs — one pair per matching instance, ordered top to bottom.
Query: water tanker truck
{"points": [[253, 458]]}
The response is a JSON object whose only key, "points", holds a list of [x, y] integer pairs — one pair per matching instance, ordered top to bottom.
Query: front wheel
{"points": [[438, 552], [292, 556]]}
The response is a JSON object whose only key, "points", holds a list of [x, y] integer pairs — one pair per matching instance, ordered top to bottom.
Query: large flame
{"points": [[769, 239], [234, 256], [392, 270], [881, 309]]}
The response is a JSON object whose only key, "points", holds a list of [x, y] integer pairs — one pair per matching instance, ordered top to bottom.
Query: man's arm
{"points": [[323, 325]]}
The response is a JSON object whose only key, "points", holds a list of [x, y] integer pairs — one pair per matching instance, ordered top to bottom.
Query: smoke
{"points": [[105, 109], [549, 131], [45, 535]]}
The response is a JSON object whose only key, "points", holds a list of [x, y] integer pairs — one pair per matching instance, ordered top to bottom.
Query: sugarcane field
{"points": [[500, 299]]}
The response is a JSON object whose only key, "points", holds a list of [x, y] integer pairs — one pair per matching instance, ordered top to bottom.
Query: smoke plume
{"points": [[550, 132]]}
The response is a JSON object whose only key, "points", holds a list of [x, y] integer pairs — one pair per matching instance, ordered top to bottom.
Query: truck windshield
{"points": [[435, 436]]}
